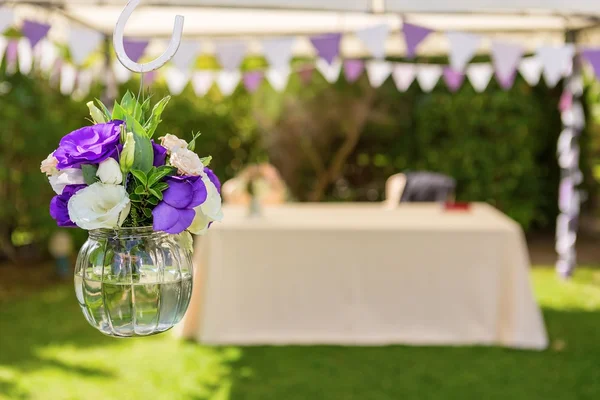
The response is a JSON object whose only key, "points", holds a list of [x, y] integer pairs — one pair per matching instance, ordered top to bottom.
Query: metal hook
{"points": [[118, 42]]}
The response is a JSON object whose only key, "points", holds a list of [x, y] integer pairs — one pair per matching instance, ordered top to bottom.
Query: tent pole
{"points": [[573, 120]]}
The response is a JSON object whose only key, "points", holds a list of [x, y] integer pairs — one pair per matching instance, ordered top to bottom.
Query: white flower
{"points": [[172, 143], [187, 162], [49, 165], [109, 171], [62, 178], [99, 206], [209, 211]]}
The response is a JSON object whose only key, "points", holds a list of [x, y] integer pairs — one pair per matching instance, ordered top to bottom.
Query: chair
{"points": [[268, 186], [419, 186]]}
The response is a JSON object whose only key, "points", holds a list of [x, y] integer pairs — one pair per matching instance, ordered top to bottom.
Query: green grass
{"points": [[47, 351]]}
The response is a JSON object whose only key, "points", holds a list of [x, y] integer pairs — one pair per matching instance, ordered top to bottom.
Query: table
{"points": [[358, 274]]}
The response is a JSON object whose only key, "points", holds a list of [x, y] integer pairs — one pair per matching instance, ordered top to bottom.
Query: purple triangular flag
{"points": [[34, 31], [413, 35], [327, 46], [135, 48], [12, 51], [593, 57], [506, 58], [353, 69], [306, 73], [453, 79], [252, 80], [507, 81], [566, 101]]}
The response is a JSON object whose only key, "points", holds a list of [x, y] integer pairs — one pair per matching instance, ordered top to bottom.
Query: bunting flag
{"points": [[7, 18], [34, 31], [413, 36], [374, 39], [82, 42], [3, 45], [327, 46], [463, 47], [135, 48], [278, 51], [12, 54], [231, 54], [25, 56], [48, 56], [186, 56], [592, 56], [506, 58], [555, 60], [353, 69], [530, 69], [378, 71], [331, 72], [305, 73], [122, 74], [404, 75], [480, 75], [428, 76], [68, 77], [278, 78], [453, 79], [176, 80], [252, 80], [202, 81], [227, 81], [83, 84], [566, 101]]}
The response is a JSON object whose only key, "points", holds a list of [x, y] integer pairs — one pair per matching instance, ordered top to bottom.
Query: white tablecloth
{"points": [[360, 275]]}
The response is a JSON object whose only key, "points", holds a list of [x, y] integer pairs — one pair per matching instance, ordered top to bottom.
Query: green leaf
{"points": [[129, 103], [104, 109], [145, 110], [118, 112], [154, 119], [192, 143], [206, 160], [89, 174], [159, 175], [140, 176], [161, 186], [140, 190], [156, 193], [136, 198], [153, 200], [148, 212]]}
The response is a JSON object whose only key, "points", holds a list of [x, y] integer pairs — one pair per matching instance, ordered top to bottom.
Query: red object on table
{"points": [[452, 206]]}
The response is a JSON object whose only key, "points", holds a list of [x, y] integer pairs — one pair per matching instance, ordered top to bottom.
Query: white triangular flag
{"points": [[7, 18], [374, 39], [82, 42], [3, 46], [463, 47], [278, 51], [231, 54], [25, 55], [48, 55], [186, 56], [506, 58], [555, 59], [530, 69], [331, 72], [378, 72], [122, 74], [404, 75], [480, 75], [68, 76], [428, 76], [278, 78], [177, 80], [227, 81], [202, 82], [84, 84]]}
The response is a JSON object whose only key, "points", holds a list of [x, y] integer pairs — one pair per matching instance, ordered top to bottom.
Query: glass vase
{"points": [[134, 281]]}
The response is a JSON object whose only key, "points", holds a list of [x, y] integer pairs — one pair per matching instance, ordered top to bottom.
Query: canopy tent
{"points": [[527, 24]]}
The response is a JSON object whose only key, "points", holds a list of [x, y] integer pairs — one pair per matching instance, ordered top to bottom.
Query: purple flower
{"points": [[88, 145], [160, 154], [213, 178], [58, 206], [176, 212]]}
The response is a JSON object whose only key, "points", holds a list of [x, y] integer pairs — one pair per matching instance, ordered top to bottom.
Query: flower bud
{"points": [[96, 114], [128, 154], [109, 172]]}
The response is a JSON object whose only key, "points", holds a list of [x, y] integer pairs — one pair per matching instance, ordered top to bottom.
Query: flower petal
{"points": [[179, 194], [171, 220]]}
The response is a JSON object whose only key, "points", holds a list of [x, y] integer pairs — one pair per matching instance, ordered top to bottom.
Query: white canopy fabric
{"points": [[529, 22]]}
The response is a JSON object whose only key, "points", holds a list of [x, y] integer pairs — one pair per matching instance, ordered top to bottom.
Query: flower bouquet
{"points": [[139, 200]]}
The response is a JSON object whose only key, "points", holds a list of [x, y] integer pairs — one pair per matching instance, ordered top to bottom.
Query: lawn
{"points": [[47, 351]]}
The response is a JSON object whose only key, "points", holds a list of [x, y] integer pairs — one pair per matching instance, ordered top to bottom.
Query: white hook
{"points": [[118, 42]]}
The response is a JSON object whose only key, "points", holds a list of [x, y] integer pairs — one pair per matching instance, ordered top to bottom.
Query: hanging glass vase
{"points": [[134, 281]]}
